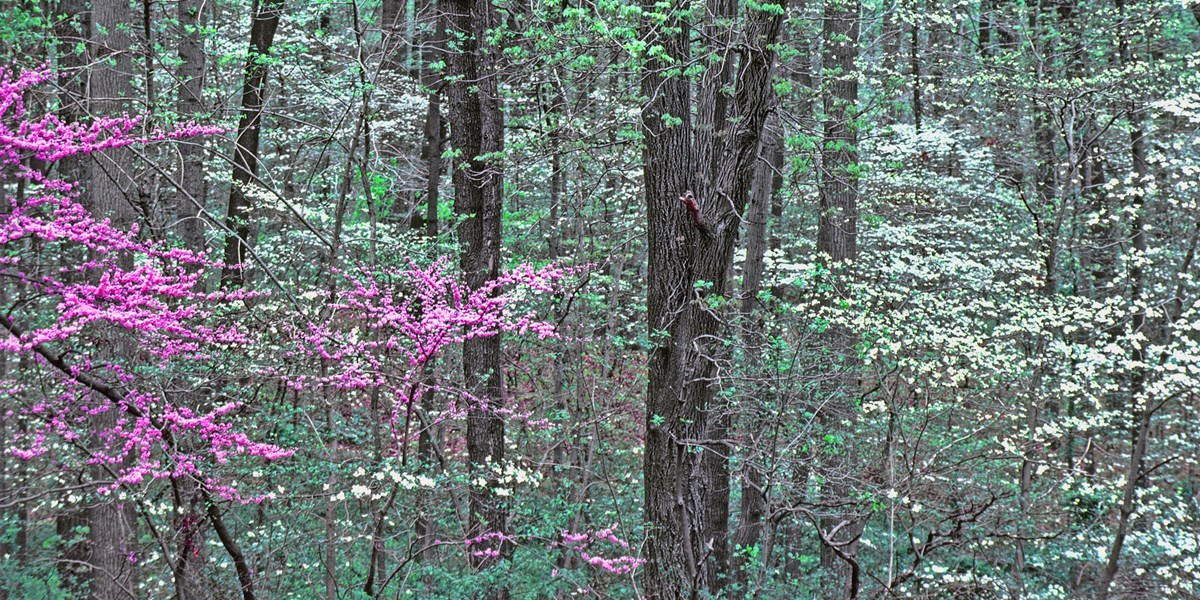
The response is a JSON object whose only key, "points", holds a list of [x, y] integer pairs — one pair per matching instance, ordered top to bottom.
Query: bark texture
{"points": [[477, 136], [245, 156], [697, 179], [111, 194], [838, 225], [837, 238]]}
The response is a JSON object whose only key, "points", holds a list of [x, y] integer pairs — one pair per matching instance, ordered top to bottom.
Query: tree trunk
{"points": [[392, 20], [72, 27], [434, 50], [914, 71], [477, 137], [245, 159], [193, 192], [112, 194], [837, 229], [691, 237], [837, 238], [1140, 409]]}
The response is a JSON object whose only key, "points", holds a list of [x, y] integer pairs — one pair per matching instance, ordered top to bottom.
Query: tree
{"points": [[477, 136], [245, 164], [696, 171], [837, 238]]}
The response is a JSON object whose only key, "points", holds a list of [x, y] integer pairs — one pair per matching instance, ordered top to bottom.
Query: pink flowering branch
{"points": [[51, 139], [158, 304], [384, 328], [583, 544]]}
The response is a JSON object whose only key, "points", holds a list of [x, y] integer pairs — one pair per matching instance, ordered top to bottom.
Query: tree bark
{"points": [[392, 20], [72, 27], [433, 50], [914, 71], [477, 137], [245, 158], [696, 176], [193, 191], [837, 229], [837, 238]]}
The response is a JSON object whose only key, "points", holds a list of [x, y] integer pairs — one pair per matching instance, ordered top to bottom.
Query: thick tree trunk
{"points": [[712, 113], [477, 136], [245, 158], [111, 195], [691, 237]]}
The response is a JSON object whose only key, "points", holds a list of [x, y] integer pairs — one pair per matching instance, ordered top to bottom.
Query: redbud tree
{"points": [[72, 282]]}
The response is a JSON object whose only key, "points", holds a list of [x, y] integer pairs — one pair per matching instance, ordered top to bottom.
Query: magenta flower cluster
{"points": [[111, 326], [583, 544]]}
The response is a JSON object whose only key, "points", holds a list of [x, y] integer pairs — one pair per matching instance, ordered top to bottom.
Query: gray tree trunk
{"points": [[477, 135], [697, 179], [111, 194], [837, 237]]}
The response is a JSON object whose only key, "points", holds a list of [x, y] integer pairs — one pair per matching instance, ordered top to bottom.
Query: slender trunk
{"points": [[392, 21], [72, 27], [985, 31], [434, 50], [148, 55], [914, 71], [392, 78], [245, 159], [838, 188], [193, 191], [190, 199], [1049, 204], [837, 238], [1139, 407], [427, 443], [187, 495], [754, 500], [244, 575]]}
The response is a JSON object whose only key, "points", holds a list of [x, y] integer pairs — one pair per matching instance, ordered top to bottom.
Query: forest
{"points": [[551, 299]]}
